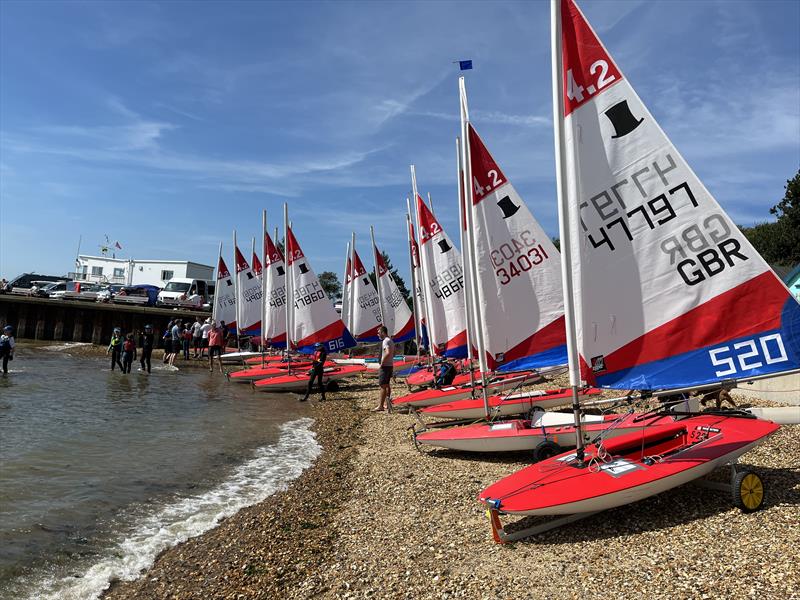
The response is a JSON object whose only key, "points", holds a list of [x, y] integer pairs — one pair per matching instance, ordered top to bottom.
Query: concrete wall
{"points": [[785, 390]]}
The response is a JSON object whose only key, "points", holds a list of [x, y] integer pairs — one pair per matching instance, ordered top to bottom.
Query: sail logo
{"points": [[598, 364]]}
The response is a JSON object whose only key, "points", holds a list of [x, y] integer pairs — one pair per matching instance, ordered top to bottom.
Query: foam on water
{"points": [[66, 346], [269, 471]]}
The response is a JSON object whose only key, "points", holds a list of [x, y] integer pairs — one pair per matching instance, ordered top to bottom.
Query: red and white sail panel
{"points": [[519, 272], [443, 286], [419, 289], [669, 293], [249, 295], [224, 296], [275, 302], [366, 316], [397, 316], [315, 319]]}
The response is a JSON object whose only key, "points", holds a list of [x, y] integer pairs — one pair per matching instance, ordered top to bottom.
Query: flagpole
{"points": [[564, 228], [465, 265], [414, 282], [263, 284], [289, 286], [477, 290], [381, 307], [431, 341]]}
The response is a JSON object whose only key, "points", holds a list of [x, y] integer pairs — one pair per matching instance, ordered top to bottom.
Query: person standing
{"points": [[204, 331], [226, 334], [197, 336], [167, 339], [186, 339], [176, 341], [215, 342], [7, 345], [147, 347], [115, 348], [128, 353], [386, 369], [317, 370]]}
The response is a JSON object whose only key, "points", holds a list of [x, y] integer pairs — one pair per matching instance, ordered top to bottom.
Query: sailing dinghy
{"points": [[663, 292], [298, 382], [495, 382]]}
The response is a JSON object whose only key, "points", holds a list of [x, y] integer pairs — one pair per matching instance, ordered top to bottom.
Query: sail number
{"points": [[575, 90], [517, 256], [449, 282], [308, 294], [748, 354]]}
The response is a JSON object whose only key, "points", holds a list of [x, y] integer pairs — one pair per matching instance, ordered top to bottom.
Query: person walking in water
{"points": [[197, 337], [167, 339], [176, 341], [215, 342], [7, 345], [147, 347], [115, 348], [128, 353], [317, 368], [386, 369]]}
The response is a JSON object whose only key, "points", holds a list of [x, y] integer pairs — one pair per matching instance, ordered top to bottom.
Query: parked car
{"points": [[22, 283], [56, 290], [81, 290], [108, 292], [186, 293], [141, 295]]}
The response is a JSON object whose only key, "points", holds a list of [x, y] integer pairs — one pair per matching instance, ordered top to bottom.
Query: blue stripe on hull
{"points": [[548, 358]]}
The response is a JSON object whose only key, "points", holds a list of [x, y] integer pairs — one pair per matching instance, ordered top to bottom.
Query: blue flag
{"points": [[465, 65]]}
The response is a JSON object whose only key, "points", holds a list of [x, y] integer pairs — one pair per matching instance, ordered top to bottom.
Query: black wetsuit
{"points": [[146, 342], [116, 353], [317, 366]]}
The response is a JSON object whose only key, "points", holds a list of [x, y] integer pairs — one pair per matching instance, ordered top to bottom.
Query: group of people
{"points": [[179, 337]]}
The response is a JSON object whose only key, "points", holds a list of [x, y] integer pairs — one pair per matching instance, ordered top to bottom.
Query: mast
{"points": [[563, 221], [465, 265], [378, 279], [414, 283], [289, 288], [346, 291], [477, 291], [236, 292], [352, 297], [214, 305], [262, 341], [431, 341]]}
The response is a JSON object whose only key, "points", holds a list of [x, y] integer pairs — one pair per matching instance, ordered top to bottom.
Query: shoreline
{"points": [[373, 517]]}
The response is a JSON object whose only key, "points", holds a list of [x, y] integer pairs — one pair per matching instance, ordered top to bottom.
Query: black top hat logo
{"points": [[622, 119], [508, 207], [444, 246], [303, 268], [280, 270], [366, 280]]}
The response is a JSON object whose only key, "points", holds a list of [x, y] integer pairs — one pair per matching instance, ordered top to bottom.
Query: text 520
{"points": [[748, 354]]}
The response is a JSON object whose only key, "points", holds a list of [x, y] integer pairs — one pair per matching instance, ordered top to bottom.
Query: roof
{"points": [[137, 261]]}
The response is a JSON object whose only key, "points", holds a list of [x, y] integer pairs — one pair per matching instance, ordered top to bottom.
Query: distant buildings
{"points": [[102, 269]]}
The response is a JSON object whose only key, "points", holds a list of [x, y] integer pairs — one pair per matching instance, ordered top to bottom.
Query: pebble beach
{"points": [[375, 518]]}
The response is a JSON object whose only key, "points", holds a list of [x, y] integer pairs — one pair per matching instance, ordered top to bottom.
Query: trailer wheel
{"points": [[545, 450], [748, 491]]}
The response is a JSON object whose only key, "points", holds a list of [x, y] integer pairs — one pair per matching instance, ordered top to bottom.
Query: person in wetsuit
{"points": [[146, 342], [115, 349], [128, 353], [317, 365]]}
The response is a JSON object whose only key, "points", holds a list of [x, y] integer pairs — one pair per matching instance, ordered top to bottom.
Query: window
{"points": [[97, 271], [119, 272], [166, 275]]}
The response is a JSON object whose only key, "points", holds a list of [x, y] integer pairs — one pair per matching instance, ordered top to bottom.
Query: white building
{"points": [[129, 271]]}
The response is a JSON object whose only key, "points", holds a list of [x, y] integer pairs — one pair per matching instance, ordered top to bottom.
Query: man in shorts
{"points": [[215, 343], [386, 369]]}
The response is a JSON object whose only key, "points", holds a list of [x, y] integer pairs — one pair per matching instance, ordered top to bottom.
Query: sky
{"points": [[166, 126]]}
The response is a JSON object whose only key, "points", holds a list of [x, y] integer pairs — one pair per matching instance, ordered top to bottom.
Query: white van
{"points": [[186, 293]]}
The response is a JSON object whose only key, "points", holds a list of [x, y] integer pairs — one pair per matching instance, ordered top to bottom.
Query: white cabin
{"points": [[129, 271]]}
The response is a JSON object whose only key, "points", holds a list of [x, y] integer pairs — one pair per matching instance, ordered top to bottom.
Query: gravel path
{"points": [[374, 518]]}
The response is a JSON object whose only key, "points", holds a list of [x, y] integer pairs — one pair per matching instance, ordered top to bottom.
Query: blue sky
{"points": [[167, 125]]}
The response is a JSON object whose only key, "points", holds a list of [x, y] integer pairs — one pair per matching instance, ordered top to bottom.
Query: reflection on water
{"points": [[87, 453]]}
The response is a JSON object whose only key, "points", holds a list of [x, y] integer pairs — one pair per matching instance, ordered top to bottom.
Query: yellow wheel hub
{"points": [[751, 491]]}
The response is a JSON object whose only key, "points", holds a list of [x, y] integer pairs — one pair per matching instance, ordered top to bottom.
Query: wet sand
{"points": [[374, 518]]}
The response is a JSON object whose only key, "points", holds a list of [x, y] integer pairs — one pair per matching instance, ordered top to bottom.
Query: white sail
{"points": [[443, 285], [668, 292], [224, 296], [248, 297], [275, 301], [366, 316], [397, 316]]}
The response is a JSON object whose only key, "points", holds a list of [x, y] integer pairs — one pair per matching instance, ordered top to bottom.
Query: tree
{"points": [[779, 242], [330, 283]]}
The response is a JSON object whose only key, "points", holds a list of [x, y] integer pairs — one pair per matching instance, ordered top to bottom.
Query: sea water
{"points": [[100, 471]]}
